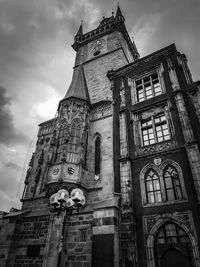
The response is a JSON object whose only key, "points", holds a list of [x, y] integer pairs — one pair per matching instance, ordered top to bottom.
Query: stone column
{"points": [[191, 145], [54, 239]]}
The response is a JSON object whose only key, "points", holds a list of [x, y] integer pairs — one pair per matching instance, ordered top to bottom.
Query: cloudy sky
{"points": [[36, 61]]}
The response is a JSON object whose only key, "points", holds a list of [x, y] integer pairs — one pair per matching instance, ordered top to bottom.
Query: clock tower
{"points": [[74, 151]]}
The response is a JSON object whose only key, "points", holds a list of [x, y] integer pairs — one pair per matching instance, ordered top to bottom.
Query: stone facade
{"points": [[126, 139]]}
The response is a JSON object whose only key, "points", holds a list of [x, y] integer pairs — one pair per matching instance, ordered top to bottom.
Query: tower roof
{"points": [[119, 13], [119, 16], [80, 30], [78, 86]]}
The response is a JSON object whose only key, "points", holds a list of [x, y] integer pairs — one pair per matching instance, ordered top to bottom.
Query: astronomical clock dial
{"points": [[97, 45]]}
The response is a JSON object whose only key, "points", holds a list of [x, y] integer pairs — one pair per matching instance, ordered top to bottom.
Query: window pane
{"points": [[160, 139], [152, 141], [152, 182], [168, 182], [156, 184], [149, 186], [170, 194], [158, 196], [151, 197]]}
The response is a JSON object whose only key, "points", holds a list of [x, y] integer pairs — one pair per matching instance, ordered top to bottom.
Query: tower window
{"points": [[155, 130], [97, 155], [172, 183], [152, 186]]}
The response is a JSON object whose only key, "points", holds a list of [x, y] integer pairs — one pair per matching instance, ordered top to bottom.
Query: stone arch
{"points": [[76, 121], [161, 221]]}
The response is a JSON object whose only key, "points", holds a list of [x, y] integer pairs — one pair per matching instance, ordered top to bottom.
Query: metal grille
{"points": [[82, 235]]}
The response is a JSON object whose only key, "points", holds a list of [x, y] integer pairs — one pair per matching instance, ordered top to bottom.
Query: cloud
{"points": [[8, 133]]}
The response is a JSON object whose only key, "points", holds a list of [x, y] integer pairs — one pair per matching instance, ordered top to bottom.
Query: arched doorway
{"points": [[172, 247]]}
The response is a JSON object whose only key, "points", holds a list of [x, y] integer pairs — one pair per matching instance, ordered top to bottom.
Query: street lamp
{"points": [[63, 201]]}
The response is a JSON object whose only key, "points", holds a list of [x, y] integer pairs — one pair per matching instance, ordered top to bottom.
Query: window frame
{"points": [[132, 81], [153, 125], [72, 143], [159, 170], [174, 185], [154, 189]]}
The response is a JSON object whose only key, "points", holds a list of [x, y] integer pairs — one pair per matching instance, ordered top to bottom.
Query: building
{"points": [[124, 146]]}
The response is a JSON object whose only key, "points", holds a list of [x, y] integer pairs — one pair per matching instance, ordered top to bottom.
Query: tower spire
{"points": [[119, 16], [80, 30], [78, 86]]}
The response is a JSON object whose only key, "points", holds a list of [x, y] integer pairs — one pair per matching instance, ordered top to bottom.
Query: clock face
{"points": [[97, 45]]}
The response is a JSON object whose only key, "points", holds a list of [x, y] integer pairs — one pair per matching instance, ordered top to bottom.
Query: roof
{"points": [[78, 86]]}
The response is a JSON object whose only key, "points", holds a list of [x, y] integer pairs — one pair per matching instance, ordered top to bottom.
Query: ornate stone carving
{"points": [[143, 61], [122, 95], [73, 109], [100, 111], [157, 148], [41, 157], [28, 173], [37, 173], [54, 188], [184, 218]]}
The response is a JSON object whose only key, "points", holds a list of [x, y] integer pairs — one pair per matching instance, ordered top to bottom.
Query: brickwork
{"points": [[36, 204], [33, 231], [78, 249]]}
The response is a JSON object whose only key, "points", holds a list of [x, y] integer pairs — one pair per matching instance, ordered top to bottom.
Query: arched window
{"points": [[75, 137], [69, 142], [97, 155], [172, 183], [152, 187], [173, 247]]}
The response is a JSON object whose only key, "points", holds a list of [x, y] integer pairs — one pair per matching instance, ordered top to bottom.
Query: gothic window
{"points": [[148, 87], [155, 129], [75, 137], [69, 141], [97, 155], [172, 183], [163, 184], [152, 186], [172, 246]]}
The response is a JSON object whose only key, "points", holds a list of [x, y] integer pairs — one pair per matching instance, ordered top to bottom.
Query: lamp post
{"points": [[62, 201]]}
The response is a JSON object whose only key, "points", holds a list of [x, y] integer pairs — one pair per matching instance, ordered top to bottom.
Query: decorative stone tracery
{"points": [[153, 223]]}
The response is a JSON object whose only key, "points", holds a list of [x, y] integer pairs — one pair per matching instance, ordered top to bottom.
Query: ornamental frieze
{"points": [[73, 109], [101, 111]]}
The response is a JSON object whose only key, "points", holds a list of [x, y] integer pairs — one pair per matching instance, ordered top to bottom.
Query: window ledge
{"points": [[171, 202]]}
